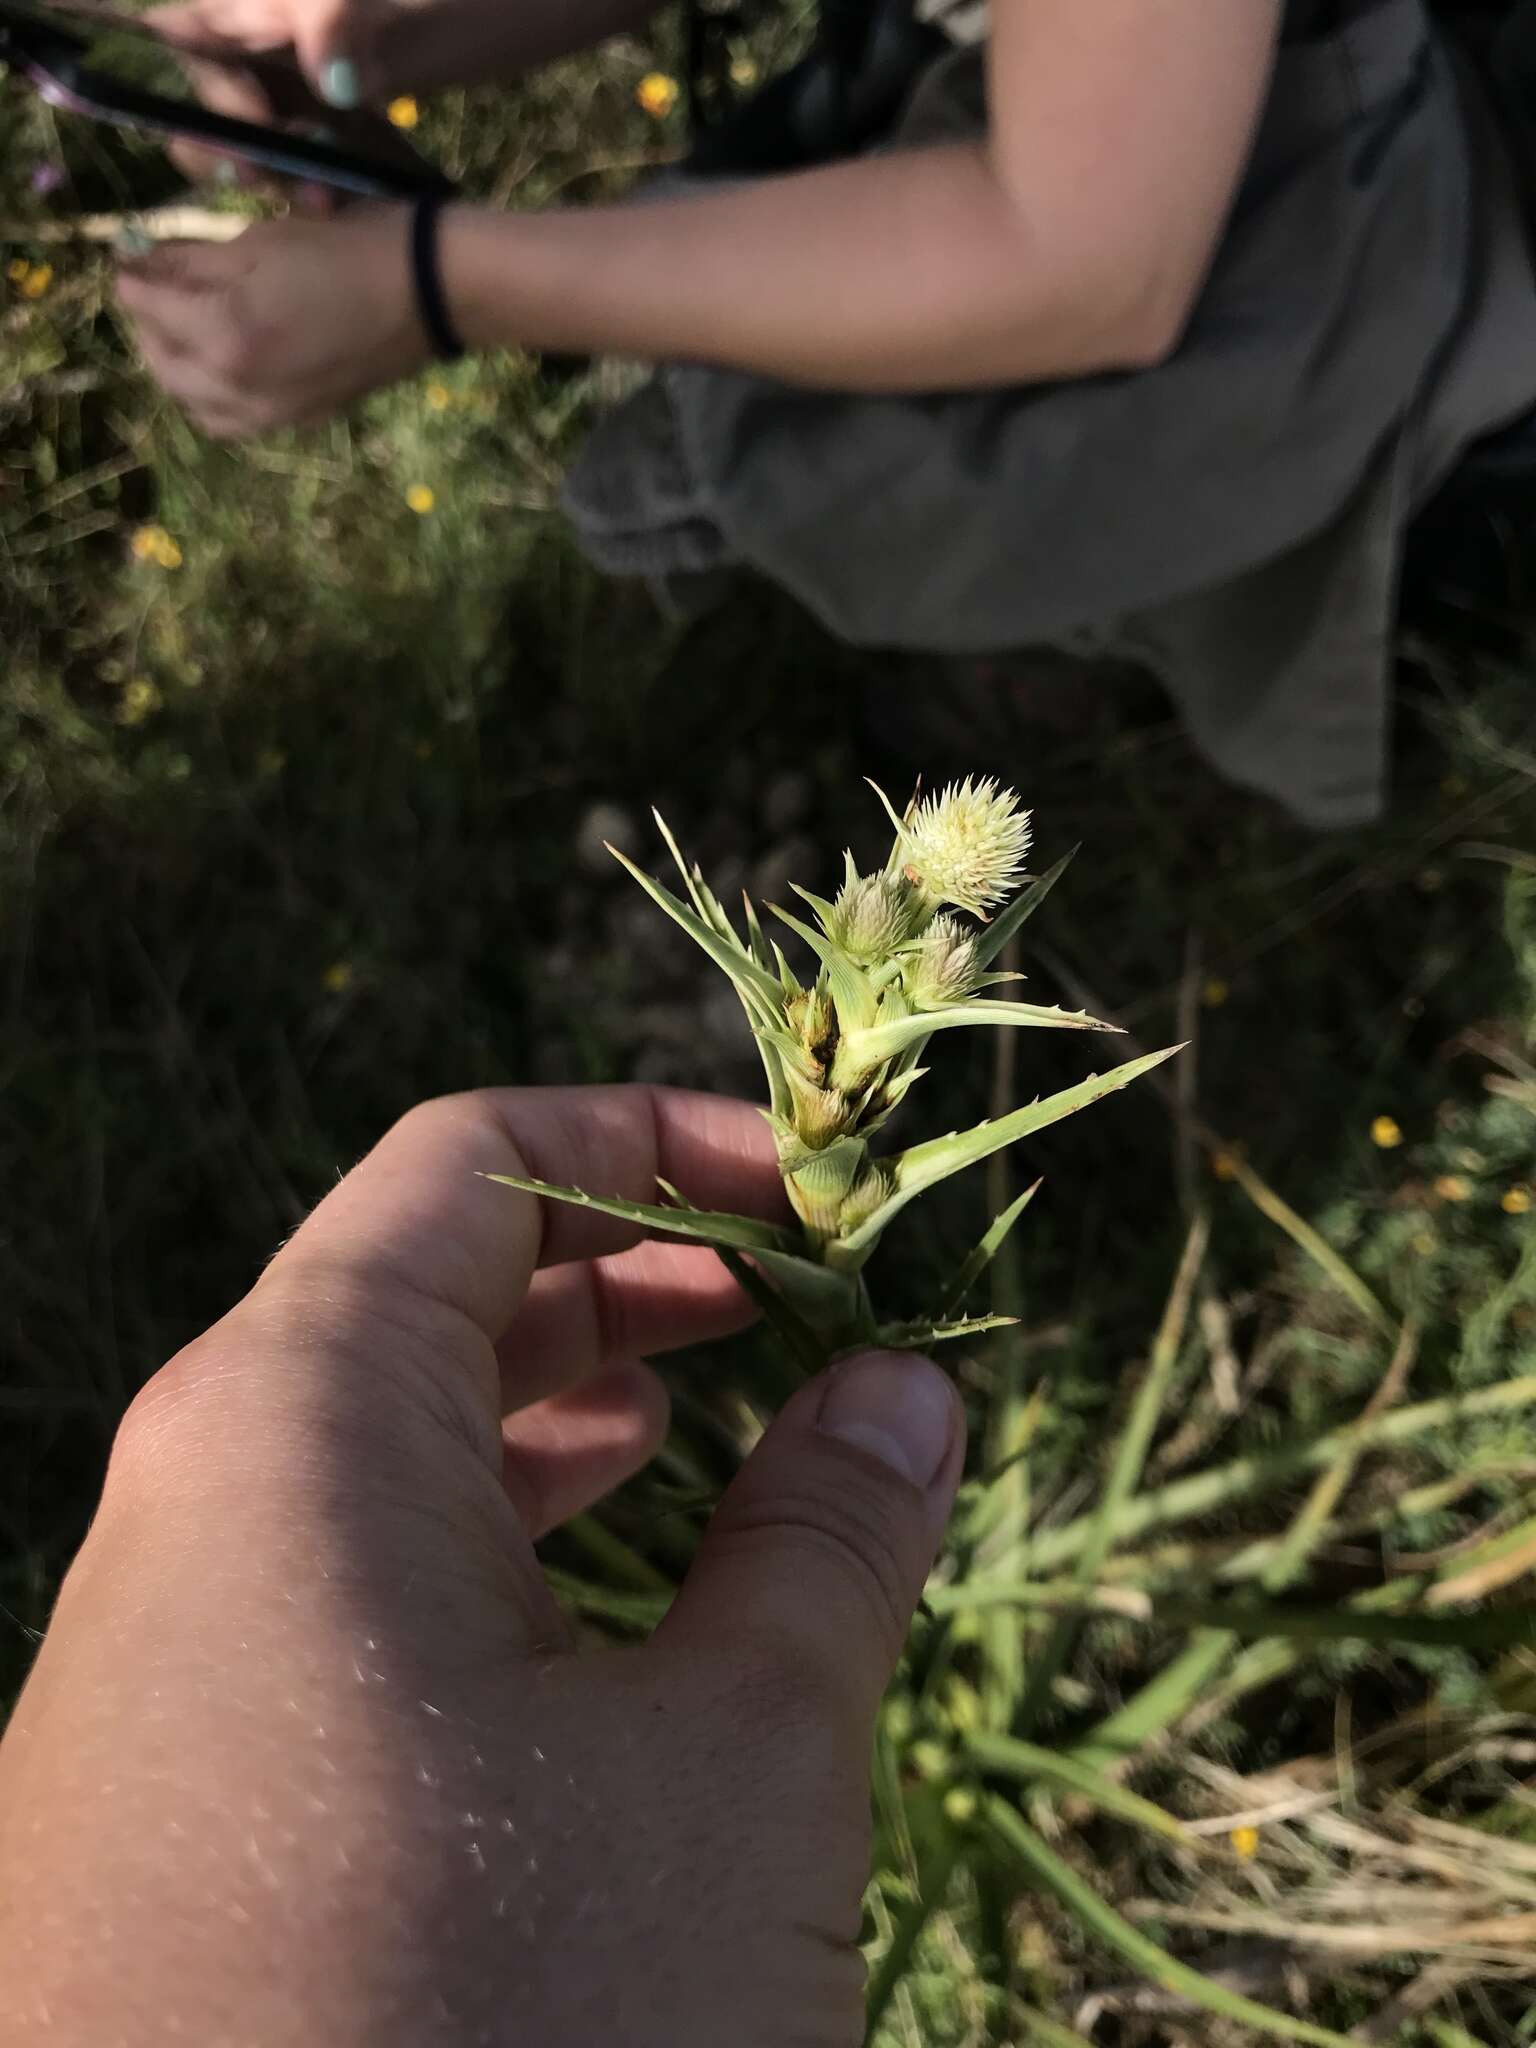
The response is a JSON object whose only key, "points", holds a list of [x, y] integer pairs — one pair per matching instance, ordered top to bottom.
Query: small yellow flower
{"points": [[743, 72], [657, 94], [404, 111], [18, 270], [37, 280], [439, 398], [421, 498], [154, 544], [140, 699], [338, 977], [1215, 993], [1387, 1133], [1224, 1166], [1453, 1187], [1516, 1201], [1424, 1244], [960, 1804], [1246, 1842]]}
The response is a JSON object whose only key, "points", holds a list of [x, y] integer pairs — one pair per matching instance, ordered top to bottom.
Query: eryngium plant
{"points": [[896, 966]]}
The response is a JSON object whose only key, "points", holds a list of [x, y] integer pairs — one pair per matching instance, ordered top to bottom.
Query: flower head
{"points": [[657, 94], [403, 112], [439, 397], [421, 498], [154, 544], [140, 700], [966, 846], [873, 915], [941, 968], [1386, 1133], [1453, 1187], [1516, 1201], [1246, 1842]]}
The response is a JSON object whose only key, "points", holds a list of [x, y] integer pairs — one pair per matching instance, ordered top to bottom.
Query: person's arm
{"points": [[1076, 239]]}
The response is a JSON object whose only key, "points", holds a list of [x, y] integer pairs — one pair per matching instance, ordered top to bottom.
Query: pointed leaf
{"points": [[689, 874], [823, 909], [991, 941], [742, 969], [851, 993], [881, 1042], [924, 1166], [750, 1233], [977, 1262], [828, 1301], [792, 1330], [918, 1336]]}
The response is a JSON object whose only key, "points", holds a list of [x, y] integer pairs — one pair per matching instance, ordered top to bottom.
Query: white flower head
{"points": [[966, 846], [873, 916], [941, 967]]}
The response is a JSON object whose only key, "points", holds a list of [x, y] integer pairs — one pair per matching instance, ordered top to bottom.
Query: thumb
{"points": [[817, 1555]]}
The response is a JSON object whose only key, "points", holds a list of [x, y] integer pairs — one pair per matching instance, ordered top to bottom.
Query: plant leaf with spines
{"points": [[924, 1166], [713, 1226], [977, 1261]]}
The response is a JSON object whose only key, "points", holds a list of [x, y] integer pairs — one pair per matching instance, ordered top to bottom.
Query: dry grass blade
{"points": [[1305, 1238]]}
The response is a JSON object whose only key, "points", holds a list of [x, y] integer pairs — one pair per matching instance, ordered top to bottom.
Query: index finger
{"points": [[418, 1217]]}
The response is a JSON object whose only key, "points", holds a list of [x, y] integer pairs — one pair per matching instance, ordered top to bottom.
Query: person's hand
{"points": [[339, 44], [284, 326], [308, 1755]]}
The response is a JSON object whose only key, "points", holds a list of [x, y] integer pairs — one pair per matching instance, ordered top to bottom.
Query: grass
{"points": [[298, 828]]}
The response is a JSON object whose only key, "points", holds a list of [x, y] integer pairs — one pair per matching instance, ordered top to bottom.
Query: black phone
{"points": [[52, 48]]}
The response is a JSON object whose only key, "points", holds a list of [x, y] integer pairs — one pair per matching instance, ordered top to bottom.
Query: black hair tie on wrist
{"points": [[431, 305]]}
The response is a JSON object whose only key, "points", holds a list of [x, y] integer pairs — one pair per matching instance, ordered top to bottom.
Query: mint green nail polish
{"points": [[339, 83], [226, 171]]}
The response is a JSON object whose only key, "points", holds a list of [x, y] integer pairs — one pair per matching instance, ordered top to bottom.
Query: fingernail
{"points": [[339, 83], [226, 171], [132, 242], [897, 1407]]}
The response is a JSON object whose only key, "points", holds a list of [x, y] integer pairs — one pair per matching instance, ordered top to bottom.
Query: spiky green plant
{"points": [[895, 966]]}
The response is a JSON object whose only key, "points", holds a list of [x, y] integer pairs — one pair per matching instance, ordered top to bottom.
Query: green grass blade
{"points": [[924, 1166], [747, 1233], [1316, 1246], [1126, 1470], [1203, 1493], [1499, 1628], [1030, 1762], [1098, 1918], [1040, 2031]]}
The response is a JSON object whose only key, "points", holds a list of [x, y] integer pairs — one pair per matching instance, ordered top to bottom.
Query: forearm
{"points": [[909, 272]]}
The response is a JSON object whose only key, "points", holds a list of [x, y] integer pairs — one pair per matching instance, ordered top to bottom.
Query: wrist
{"points": [[475, 312]]}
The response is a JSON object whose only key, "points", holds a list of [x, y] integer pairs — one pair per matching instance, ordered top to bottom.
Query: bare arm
{"points": [[456, 42], [1075, 239]]}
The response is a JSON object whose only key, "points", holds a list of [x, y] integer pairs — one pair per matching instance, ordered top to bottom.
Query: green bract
{"points": [[894, 967]]}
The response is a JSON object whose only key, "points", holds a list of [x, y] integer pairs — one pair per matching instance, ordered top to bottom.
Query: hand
{"points": [[338, 43], [284, 326], [308, 1755]]}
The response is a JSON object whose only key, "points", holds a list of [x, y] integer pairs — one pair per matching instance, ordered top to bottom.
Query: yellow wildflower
{"points": [[743, 72], [657, 94], [404, 111], [18, 269], [37, 280], [439, 397], [421, 498], [154, 544], [139, 700], [338, 977], [1215, 993], [1386, 1133], [1224, 1166], [1453, 1187], [1516, 1201], [1424, 1244], [1246, 1842]]}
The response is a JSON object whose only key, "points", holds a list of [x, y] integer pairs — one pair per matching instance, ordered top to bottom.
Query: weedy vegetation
{"points": [[1218, 1723]]}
